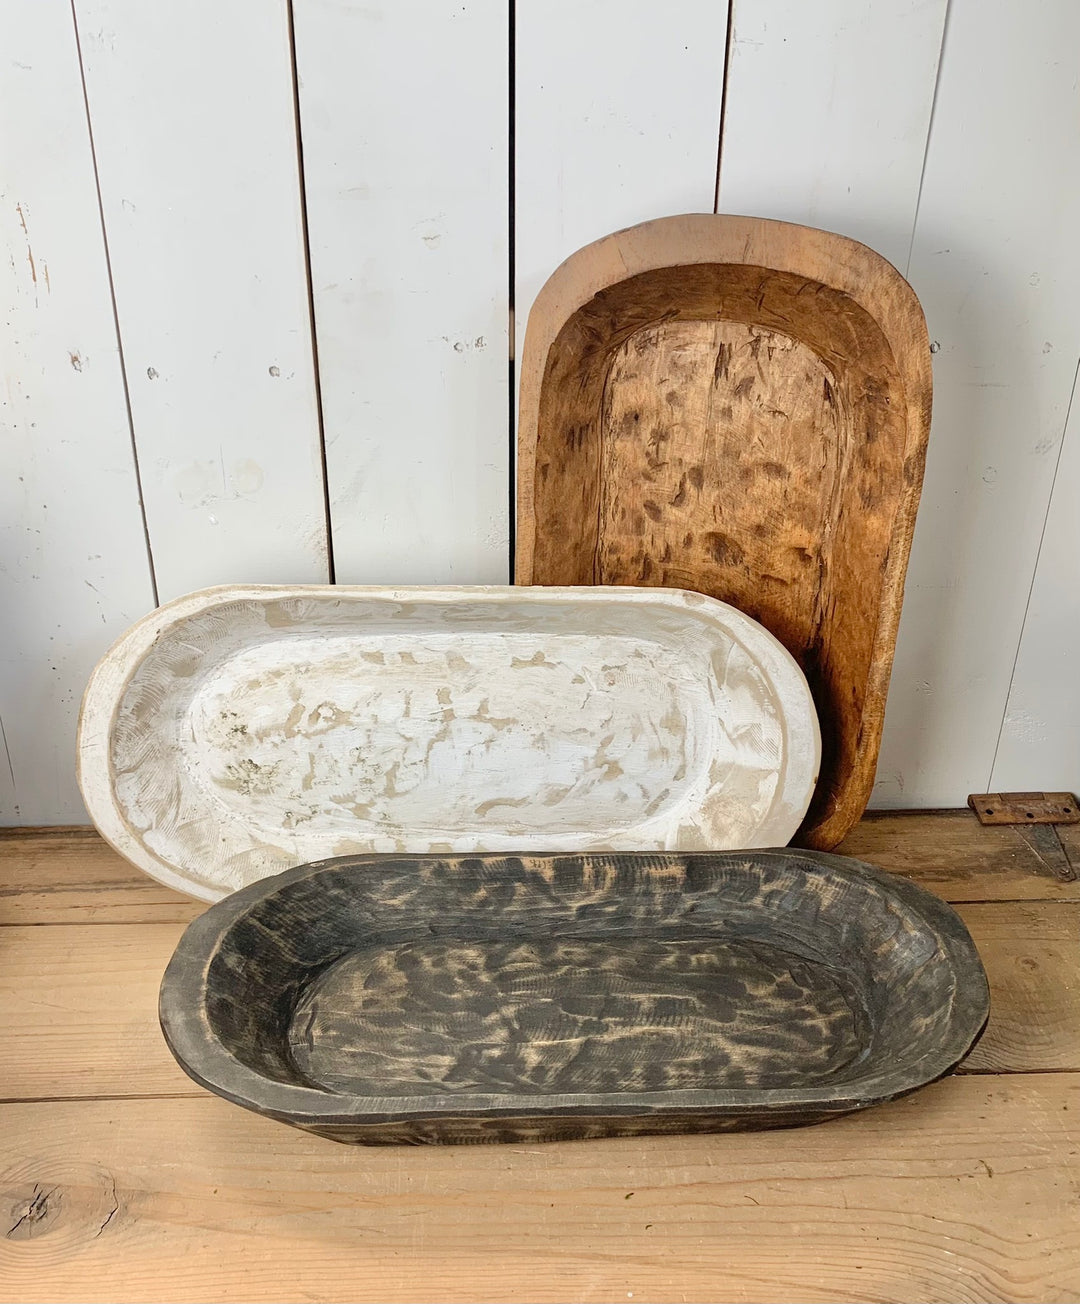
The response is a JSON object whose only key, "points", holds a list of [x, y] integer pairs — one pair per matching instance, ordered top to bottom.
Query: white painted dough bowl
{"points": [[242, 730]]}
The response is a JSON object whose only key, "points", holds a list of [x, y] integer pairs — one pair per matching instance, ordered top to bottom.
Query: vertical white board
{"points": [[827, 114], [618, 119], [404, 120], [194, 128], [996, 263], [73, 563], [1039, 748]]}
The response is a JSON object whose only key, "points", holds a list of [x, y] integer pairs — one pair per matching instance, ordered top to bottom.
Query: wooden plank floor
{"points": [[120, 1180]]}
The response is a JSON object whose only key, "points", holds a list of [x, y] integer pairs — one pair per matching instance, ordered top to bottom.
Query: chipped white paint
{"points": [[240, 731]]}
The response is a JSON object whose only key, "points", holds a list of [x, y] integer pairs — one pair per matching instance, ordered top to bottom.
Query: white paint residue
{"points": [[286, 726], [445, 737]]}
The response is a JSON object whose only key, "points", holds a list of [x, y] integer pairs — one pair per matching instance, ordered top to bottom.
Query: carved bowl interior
{"points": [[739, 407], [240, 731], [542, 996]]}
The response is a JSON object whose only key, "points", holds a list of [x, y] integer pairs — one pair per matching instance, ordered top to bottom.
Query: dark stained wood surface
{"points": [[739, 407], [549, 997], [83, 999], [551, 1017], [118, 1189]]}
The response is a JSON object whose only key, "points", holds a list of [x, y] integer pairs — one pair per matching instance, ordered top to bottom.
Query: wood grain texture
{"points": [[827, 113], [403, 114], [593, 152], [201, 199], [996, 274], [740, 407], [73, 563], [291, 724], [1069, 837], [950, 853], [73, 876], [49, 878], [1032, 957], [385, 1000], [77, 1011], [582, 1015], [57, 1029], [965, 1192], [962, 1193]]}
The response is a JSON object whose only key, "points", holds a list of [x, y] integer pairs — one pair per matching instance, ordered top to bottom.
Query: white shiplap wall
{"points": [[192, 110], [828, 113], [617, 116], [406, 152], [958, 160], [996, 263], [73, 562], [1039, 747]]}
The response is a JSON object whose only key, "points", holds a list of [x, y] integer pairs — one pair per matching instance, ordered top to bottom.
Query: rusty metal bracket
{"points": [[1025, 807], [1033, 815]]}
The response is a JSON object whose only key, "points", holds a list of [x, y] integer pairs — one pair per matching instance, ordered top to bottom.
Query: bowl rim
{"points": [[800, 761], [206, 1060]]}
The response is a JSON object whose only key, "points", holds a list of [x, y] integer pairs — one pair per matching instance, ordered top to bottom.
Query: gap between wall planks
{"points": [[827, 113], [405, 140], [606, 142], [202, 211], [995, 262], [511, 285], [74, 570], [1039, 737]]}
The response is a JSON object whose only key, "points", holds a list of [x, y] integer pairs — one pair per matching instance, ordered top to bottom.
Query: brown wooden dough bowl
{"points": [[740, 407], [548, 997]]}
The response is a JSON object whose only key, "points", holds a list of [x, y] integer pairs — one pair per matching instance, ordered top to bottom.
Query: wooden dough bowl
{"points": [[740, 407], [243, 730], [547, 997]]}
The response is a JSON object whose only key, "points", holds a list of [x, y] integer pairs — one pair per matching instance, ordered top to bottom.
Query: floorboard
{"points": [[121, 1180]]}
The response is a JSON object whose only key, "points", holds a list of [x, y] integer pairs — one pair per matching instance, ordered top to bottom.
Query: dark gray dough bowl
{"points": [[380, 999]]}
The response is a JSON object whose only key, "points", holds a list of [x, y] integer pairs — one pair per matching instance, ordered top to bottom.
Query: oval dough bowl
{"points": [[741, 407], [240, 731], [544, 997]]}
